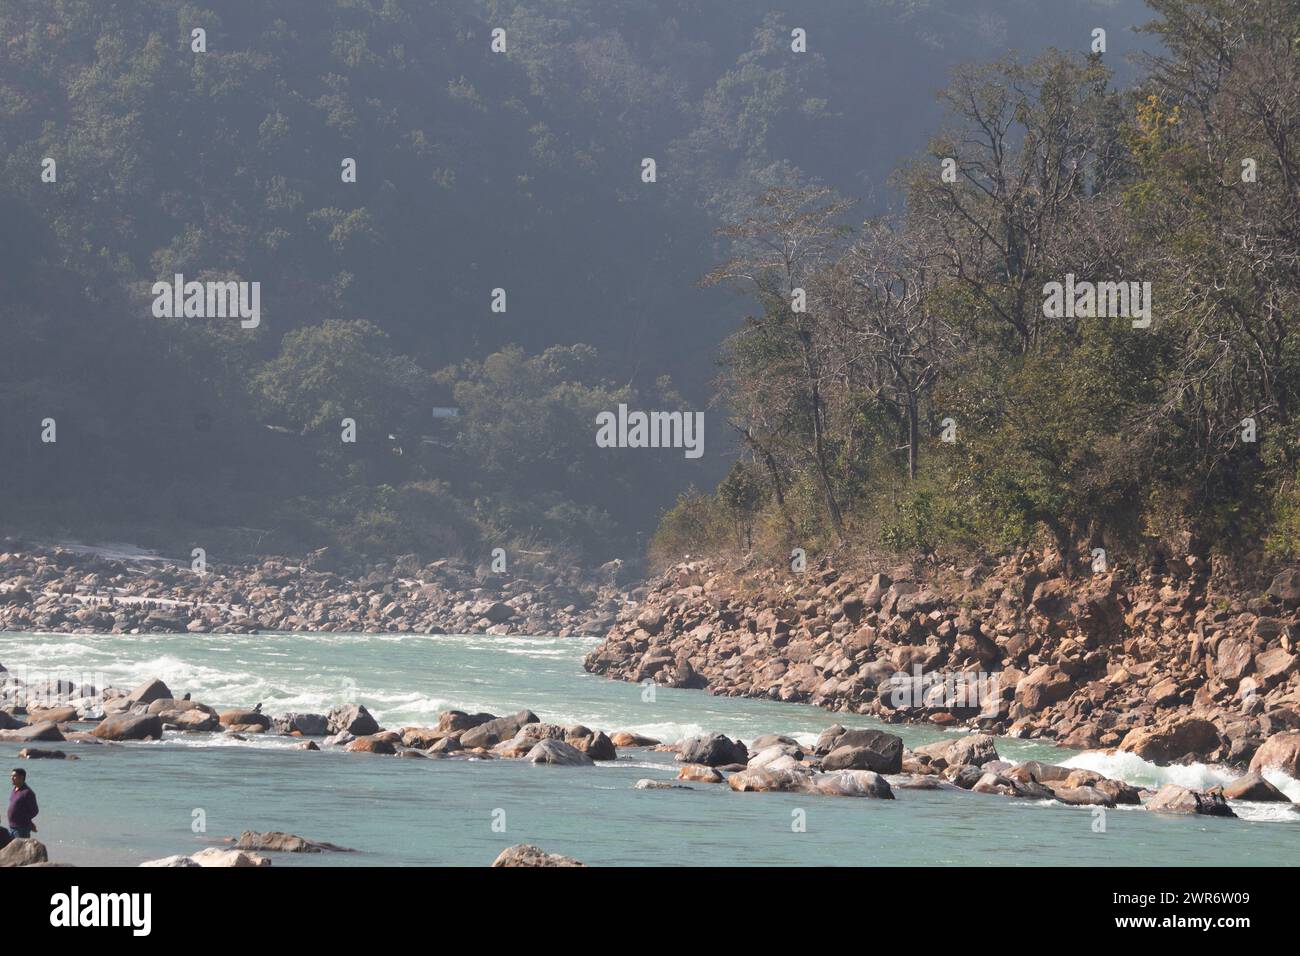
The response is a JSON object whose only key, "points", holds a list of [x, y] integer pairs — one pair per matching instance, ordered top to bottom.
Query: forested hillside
{"points": [[475, 171], [1080, 327]]}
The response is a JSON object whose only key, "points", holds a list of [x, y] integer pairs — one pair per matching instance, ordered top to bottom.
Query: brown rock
{"points": [[1282, 750]]}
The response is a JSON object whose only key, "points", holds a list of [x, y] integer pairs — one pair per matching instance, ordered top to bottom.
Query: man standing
{"points": [[22, 805]]}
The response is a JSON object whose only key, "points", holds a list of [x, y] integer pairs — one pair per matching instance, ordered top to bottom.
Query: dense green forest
{"points": [[476, 171], [929, 395]]}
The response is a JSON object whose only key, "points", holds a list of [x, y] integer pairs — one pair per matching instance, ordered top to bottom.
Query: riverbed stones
{"points": [[712, 750], [525, 854]]}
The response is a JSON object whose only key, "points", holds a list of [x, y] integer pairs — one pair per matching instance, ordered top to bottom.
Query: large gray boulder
{"points": [[353, 719], [309, 725], [712, 750], [865, 750], [559, 753]]}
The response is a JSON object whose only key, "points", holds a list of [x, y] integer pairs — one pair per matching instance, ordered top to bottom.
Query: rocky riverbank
{"points": [[82, 591], [1158, 662]]}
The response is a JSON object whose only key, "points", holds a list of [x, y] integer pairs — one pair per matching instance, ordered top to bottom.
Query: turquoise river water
{"points": [[125, 804]]}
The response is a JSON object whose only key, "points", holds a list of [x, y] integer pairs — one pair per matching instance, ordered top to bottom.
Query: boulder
{"points": [[1286, 588], [1042, 687], [151, 690], [351, 718], [193, 721], [242, 721], [456, 721], [308, 725], [130, 727], [492, 732], [31, 733], [421, 737], [1180, 737], [626, 739], [371, 744], [596, 745], [712, 750], [866, 750], [973, 750], [1282, 751], [35, 753], [559, 753], [699, 774], [770, 781], [853, 783], [1253, 786], [1083, 796], [1172, 798], [278, 842], [23, 852], [525, 854], [217, 857], [178, 859]]}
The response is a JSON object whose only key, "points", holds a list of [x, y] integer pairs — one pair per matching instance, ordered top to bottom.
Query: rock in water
{"points": [[151, 690], [353, 719], [309, 725], [128, 727], [1167, 742], [712, 750], [1281, 751], [559, 753], [853, 783], [1253, 786], [1172, 798], [274, 840], [525, 854], [215, 856], [179, 859]]}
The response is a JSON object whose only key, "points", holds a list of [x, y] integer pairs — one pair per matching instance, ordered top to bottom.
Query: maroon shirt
{"points": [[22, 808]]}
